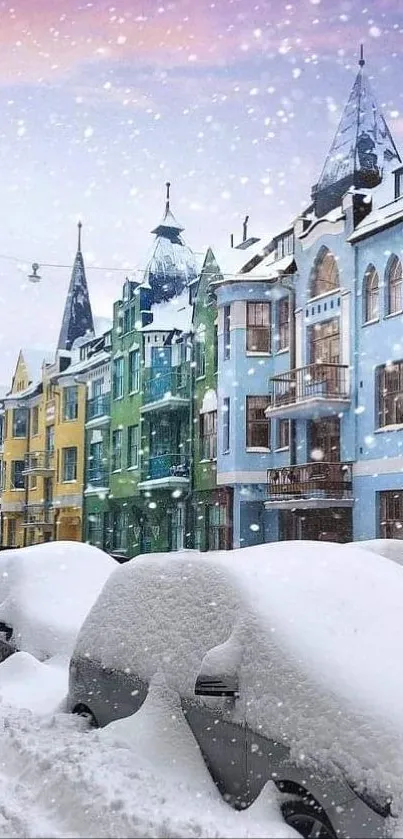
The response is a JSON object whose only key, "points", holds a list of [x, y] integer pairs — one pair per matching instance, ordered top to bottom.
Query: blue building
{"points": [[310, 353]]}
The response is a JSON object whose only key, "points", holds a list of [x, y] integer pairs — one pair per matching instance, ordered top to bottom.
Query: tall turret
{"points": [[77, 317]]}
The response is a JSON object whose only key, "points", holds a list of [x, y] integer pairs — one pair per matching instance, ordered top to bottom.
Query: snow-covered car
{"points": [[389, 548], [46, 591], [286, 659]]}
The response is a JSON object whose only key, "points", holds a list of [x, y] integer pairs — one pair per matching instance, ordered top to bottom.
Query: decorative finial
{"points": [[362, 59], [168, 186], [79, 235]]}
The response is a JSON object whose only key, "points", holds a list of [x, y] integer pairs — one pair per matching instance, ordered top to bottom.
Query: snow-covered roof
{"points": [[363, 142], [378, 219], [231, 261], [270, 269], [172, 314], [102, 325], [34, 361], [81, 366]]}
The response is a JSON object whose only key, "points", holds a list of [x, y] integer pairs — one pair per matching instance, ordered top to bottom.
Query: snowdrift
{"points": [[47, 590], [312, 630]]}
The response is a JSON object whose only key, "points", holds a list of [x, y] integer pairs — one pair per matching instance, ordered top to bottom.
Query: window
{"points": [[399, 183], [285, 245], [325, 274], [394, 285], [370, 293], [127, 319], [283, 323], [258, 331], [227, 332], [325, 342], [215, 348], [200, 353], [134, 371], [117, 379], [97, 387], [389, 387], [70, 403], [35, 420], [20, 422], [257, 424], [226, 425], [283, 434], [208, 435], [117, 437], [50, 438], [133, 446], [69, 464], [17, 478], [33, 482], [391, 515], [95, 529], [217, 530], [11, 533], [119, 533]]}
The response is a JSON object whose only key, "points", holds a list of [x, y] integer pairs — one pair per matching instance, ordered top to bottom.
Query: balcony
{"points": [[166, 391], [313, 391], [99, 408], [39, 463], [165, 471], [97, 477], [309, 486], [39, 515]]}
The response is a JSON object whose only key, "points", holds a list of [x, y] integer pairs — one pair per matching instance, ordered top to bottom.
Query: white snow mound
{"points": [[47, 590], [312, 630]]}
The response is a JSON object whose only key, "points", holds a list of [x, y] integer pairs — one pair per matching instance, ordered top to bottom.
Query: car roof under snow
{"points": [[313, 629]]}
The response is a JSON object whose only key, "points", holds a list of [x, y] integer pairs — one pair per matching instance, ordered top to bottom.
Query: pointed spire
{"points": [[361, 150], [172, 264], [77, 317]]}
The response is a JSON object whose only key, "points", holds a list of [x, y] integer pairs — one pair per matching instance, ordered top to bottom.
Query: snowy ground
{"points": [[142, 777]]}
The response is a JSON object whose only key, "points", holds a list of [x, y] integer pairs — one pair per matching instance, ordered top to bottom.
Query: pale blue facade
{"points": [[337, 474]]}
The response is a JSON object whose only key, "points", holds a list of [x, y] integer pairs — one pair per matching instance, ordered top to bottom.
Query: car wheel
{"points": [[86, 714], [309, 820]]}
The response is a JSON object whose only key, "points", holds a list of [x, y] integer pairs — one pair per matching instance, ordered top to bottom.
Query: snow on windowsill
{"points": [[321, 296], [393, 314], [371, 322], [283, 350], [258, 354], [398, 426], [258, 449], [282, 449], [208, 460], [129, 468], [70, 481]]}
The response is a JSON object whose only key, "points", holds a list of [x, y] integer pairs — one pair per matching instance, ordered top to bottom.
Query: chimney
{"points": [[245, 229]]}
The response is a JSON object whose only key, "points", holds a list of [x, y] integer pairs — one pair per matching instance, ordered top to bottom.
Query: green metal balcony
{"points": [[166, 391], [165, 470]]}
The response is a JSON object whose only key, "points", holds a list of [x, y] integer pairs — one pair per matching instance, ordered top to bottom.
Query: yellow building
{"points": [[43, 458]]}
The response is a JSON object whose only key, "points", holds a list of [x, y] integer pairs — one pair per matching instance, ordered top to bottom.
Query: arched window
{"points": [[325, 273], [394, 285], [370, 294]]}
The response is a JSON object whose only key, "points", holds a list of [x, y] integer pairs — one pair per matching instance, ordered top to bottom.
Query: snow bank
{"points": [[389, 548], [46, 592], [314, 631], [27, 683]]}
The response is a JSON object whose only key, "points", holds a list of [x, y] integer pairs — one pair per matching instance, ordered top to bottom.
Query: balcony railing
{"points": [[315, 381], [162, 387], [99, 406], [39, 463], [166, 466], [97, 477], [311, 480], [39, 515]]}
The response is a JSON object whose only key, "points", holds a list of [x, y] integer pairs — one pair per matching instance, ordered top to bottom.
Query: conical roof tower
{"points": [[362, 150], [172, 265], [77, 317]]}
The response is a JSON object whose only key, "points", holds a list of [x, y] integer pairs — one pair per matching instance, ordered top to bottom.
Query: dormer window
{"points": [[399, 183], [285, 245]]}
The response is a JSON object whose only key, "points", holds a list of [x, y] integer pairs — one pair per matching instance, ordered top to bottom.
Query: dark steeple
{"points": [[361, 151], [172, 265], [77, 317]]}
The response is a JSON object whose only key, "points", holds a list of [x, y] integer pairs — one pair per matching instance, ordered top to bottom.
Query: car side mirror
{"points": [[225, 685]]}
